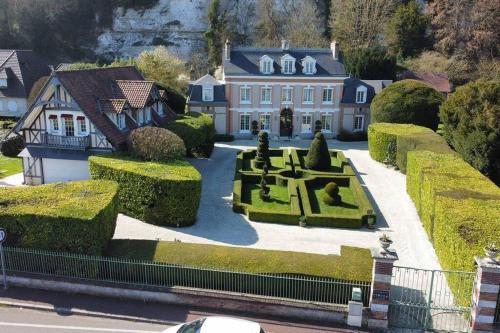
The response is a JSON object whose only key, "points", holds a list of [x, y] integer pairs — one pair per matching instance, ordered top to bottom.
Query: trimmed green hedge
{"points": [[197, 130], [407, 137], [245, 162], [339, 164], [162, 193], [243, 206], [459, 208], [76, 217], [356, 221], [353, 263]]}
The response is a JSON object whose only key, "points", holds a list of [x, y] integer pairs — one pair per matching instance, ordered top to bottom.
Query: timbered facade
{"points": [[80, 113]]}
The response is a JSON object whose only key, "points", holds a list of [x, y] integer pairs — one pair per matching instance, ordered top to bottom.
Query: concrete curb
{"points": [[48, 308]]}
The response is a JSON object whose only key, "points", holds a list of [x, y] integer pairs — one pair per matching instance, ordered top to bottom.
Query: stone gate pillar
{"points": [[383, 263], [485, 295]]}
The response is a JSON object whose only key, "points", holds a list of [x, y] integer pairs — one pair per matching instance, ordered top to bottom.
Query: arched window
{"points": [[266, 65], [309, 65]]}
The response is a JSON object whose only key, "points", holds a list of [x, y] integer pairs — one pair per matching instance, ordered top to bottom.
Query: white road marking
{"points": [[76, 328]]}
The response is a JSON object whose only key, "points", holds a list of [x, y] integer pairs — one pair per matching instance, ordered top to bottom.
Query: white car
{"points": [[217, 325]]}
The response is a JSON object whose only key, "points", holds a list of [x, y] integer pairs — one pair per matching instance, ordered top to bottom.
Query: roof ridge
{"points": [[7, 59], [93, 69], [147, 81]]}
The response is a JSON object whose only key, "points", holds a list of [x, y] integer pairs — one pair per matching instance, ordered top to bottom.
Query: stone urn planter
{"points": [[385, 241], [492, 252]]}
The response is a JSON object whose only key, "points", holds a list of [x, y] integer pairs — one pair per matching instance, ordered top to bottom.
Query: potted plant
{"points": [[302, 221], [385, 242], [492, 251]]}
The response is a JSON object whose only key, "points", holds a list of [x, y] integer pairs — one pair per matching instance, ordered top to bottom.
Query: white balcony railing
{"points": [[67, 142]]}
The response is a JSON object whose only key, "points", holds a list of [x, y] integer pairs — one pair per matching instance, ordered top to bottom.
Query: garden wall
{"points": [[162, 193], [79, 217]]}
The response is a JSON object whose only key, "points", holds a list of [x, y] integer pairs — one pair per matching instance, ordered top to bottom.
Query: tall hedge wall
{"points": [[197, 130], [407, 137], [162, 193], [458, 206], [77, 217]]}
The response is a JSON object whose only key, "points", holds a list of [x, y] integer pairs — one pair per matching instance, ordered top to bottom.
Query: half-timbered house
{"points": [[80, 113]]}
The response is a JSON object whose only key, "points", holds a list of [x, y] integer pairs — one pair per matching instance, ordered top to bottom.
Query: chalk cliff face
{"points": [[177, 24]]}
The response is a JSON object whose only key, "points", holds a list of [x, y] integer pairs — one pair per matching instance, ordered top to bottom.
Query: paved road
{"points": [[17, 320]]}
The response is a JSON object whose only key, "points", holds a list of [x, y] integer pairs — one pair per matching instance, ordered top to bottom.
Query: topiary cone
{"points": [[262, 156], [318, 157]]}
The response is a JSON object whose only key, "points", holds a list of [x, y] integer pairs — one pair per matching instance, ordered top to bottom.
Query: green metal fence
{"points": [[154, 274]]}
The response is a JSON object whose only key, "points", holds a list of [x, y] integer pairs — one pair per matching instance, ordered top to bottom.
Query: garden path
{"points": [[217, 224]]}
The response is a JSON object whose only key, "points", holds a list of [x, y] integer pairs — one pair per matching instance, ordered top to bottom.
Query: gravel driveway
{"points": [[217, 224]]}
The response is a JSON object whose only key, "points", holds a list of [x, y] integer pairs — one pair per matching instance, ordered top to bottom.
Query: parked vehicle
{"points": [[217, 325]]}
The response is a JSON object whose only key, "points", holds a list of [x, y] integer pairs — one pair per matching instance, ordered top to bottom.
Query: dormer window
{"points": [[287, 64], [266, 65], [309, 65], [208, 93], [361, 94]]}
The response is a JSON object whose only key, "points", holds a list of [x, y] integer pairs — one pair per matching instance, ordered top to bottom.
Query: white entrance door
{"points": [[55, 170]]}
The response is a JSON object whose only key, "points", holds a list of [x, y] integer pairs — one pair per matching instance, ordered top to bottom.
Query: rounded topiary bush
{"points": [[407, 102], [471, 125], [156, 144], [12, 146], [318, 156], [331, 195]]}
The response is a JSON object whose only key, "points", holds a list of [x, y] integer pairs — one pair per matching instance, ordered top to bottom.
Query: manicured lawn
{"points": [[276, 163], [10, 166], [279, 197], [348, 206], [352, 264]]}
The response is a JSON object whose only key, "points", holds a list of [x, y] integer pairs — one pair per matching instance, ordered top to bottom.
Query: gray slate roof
{"points": [[245, 61], [22, 68], [352, 84], [195, 95]]}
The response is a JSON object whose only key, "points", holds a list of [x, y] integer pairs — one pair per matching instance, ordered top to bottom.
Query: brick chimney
{"points": [[334, 46], [227, 50]]}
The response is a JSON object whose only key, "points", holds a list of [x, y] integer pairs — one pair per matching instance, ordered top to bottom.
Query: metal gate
{"points": [[430, 300]]}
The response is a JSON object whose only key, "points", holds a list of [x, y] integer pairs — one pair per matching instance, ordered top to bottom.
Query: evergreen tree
{"points": [[406, 30], [216, 33], [371, 63], [262, 157], [318, 157], [264, 189], [331, 194]]}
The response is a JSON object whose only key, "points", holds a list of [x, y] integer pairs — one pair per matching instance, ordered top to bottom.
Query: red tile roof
{"points": [[438, 81], [91, 86], [137, 93], [112, 105]]}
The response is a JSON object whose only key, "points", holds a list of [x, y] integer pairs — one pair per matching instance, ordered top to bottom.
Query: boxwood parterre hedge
{"points": [[406, 137], [342, 167], [162, 193], [255, 213], [77, 217], [356, 221]]}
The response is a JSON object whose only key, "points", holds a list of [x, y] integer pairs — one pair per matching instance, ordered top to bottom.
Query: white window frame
{"points": [[287, 64], [266, 65], [3, 84], [245, 91], [287, 92], [327, 92], [208, 93], [361, 93], [263, 94], [310, 94], [306, 116], [120, 120], [52, 122], [266, 124], [325, 125], [79, 127], [361, 128], [244, 130]]}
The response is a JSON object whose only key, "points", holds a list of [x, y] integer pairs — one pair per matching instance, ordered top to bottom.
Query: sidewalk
{"points": [[72, 304]]}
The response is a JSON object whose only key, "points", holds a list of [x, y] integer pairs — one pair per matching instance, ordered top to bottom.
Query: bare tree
{"points": [[269, 27], [305, 28]]}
